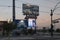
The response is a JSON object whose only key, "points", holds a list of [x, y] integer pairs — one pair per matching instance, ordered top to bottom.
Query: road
{"points": [[38, 36]]}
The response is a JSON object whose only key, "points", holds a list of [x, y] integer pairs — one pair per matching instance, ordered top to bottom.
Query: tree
{"points": [[8, 27], [44, 30], [58, 30]]}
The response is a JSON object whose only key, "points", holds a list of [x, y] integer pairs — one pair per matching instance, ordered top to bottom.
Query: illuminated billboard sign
{"points": [[30, 9], [31, 16], [21, 22], [31, 23]]}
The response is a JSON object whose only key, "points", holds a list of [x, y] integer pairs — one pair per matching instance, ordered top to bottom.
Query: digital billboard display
{"points": [[30, 9], [31, 16], [21, 22], [31, 23]]}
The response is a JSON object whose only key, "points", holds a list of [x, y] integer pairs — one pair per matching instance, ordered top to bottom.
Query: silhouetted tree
{"points": [[8, 27], [44, 30], [58, 30]]}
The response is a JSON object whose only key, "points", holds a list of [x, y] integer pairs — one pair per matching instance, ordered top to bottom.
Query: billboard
{"points": [[30, 9], [31, 16], [21, 22], [31, 23]]}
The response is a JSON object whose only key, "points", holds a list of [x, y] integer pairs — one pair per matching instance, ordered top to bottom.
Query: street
{"points": [[32, 37]]}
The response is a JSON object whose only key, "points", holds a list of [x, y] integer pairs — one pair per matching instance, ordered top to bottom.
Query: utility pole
{"points": [[13, 10], [52, 10], [51, 22]]}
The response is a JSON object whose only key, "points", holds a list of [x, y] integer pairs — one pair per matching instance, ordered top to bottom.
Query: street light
{"points": [[52, 10]]}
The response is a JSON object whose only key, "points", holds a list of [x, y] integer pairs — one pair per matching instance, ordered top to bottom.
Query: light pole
{"points": [[52, 10], [51, 22]]}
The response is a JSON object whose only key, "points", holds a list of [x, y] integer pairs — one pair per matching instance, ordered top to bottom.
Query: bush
{"points": [[57, 30]]}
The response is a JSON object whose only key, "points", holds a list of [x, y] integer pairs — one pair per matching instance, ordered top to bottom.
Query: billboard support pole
{"points": [[35, 26]]}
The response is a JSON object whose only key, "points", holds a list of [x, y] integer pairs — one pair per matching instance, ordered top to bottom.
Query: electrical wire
{"points": [[50, 1], [19, 7]]}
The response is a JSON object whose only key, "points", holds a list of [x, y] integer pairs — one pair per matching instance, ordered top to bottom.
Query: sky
{"points": [[43, 20]]}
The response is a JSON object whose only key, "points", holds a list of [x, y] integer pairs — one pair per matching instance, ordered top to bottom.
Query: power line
{"points": [[50, 1], [4, 6], [8, 6], [42, 6], [19, 7], [44, 11]]}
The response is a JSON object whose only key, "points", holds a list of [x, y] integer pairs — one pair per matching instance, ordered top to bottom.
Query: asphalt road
{"points": [[38, 36], [30, 38]]}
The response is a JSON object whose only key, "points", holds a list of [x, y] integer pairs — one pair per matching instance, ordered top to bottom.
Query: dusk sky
{"points": [[45, 6]]}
